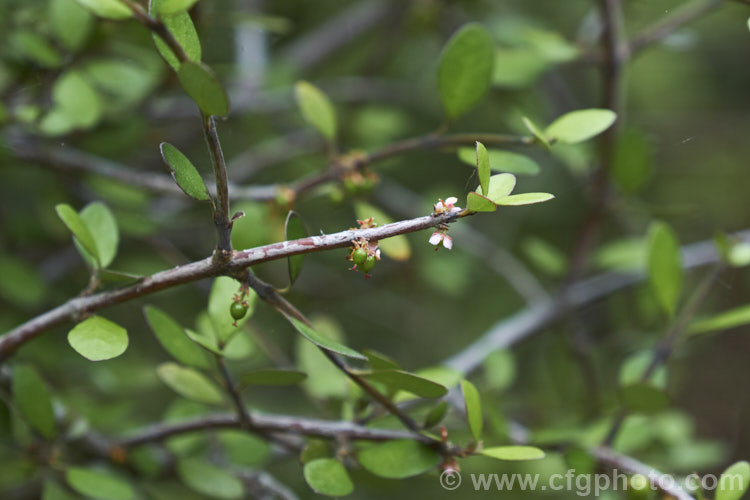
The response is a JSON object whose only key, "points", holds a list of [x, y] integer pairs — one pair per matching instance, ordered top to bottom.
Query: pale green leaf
{"points": [[108, 9], [70, 23], [36, 48], [465, 69], [201, 85], [77, 100], [316, 109], [581, 125], [535, 131], [502, 161], [483, 168], [184, 172], [500, 186], [525, 199], [478, 203], [78, 227], [103, 228], [665, 273], [732, 318], [97, 339], [174, 340], [322, 341], [189, 383], [33, 400], [473, 405], [513, 453], [398, 459], [328, 476], [210, 480], [734, 481], [99, 484]]}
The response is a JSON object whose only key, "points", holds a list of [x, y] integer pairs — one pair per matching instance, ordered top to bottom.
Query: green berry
{"points": [[359, 256], [368, 264], [237, 310]]}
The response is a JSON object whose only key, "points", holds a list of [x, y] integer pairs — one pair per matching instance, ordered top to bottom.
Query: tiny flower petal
{"points": [[450, 201], [455, 210], [436, 238], [447, 241]]}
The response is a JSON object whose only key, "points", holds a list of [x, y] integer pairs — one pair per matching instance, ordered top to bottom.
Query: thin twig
{"points": [[157, 27], [221, 210]]}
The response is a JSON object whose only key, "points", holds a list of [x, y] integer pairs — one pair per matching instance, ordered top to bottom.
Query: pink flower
{"points": [[447, 206], [439, 237]]}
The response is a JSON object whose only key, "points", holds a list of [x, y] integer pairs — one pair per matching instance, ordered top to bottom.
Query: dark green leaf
{"points": [[173, 6], [108, 9], [182, 28], [36, 48], [465, 69], [202, 86], [316, 109], [581, 125], [502, 161], [632, 163], [483, 168], [184, 172], [524, 199], [478, 203], [78, 227], [103, 228], [295, 230], [665, 273], [20, 283], [97, 339], [174, 340], [323, 341], [379, 361], [273, 377], [399, 380], [189, 383], [643, 397], [33, 400], [473, 405], [436, 415], [513, 453], [398, 459], [328, 476], [210, 480], [734, 481], [99, 484]]}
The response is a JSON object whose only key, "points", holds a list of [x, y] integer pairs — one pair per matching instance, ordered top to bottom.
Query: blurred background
{"points": [[682, 158]]}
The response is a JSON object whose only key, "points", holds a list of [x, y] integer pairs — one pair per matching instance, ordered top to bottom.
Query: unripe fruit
{"points": [[359, 256], [368, 264], [237, 310]]}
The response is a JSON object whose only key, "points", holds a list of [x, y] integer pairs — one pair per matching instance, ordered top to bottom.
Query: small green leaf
{"points": [[166, 7], [108, 9], [70, 23], [182, 28], [36, 48], [465, 69], [202, 86], [77, 99], [316, 109], [581, 125], [535, 131], [633, 158], [502, 161], [483, 168], [184, 172], [500, 186], [524, 199], [478, 203], [78, 227], [103, 228], [294, 229], [397, 248], [544, 256], [665, 273], [20, 283], [221, 298], [732, 318], [97, 339], [174, 340], [204, 340], [322, 341], [379, 361], [635, 365], [499, 369], [273, 377], [324, 380], [399, 380], [189, 383], [643, 397], [33, 400], [473, 404], [436, 415], [513, 453], [398, 459], [327, 476], [209, 480], [734, 481], [99, 484]]}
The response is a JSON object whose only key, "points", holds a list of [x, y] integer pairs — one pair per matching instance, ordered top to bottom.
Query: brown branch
{"points": [[206, 268]]}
